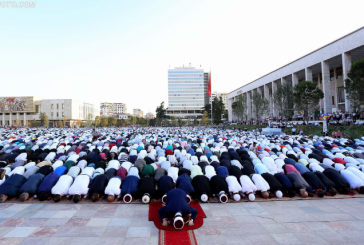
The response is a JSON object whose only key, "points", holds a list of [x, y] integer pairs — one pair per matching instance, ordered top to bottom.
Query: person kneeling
{"points": [[176, 209]]}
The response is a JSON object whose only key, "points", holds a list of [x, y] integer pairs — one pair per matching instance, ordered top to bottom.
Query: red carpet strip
{"points": [[154, 216], [185, 237]]}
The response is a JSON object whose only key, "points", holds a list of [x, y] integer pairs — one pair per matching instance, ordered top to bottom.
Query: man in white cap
{"points": [[234, 187], [247, 187], [176, 209]]}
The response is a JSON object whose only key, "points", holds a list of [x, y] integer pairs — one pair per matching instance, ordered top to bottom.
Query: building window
{"points": [[339, 72], [331, 74], [341, 94], [333, 100], [62, 105], [52, 106], [57, 106], [37, 108], [51, 114], [57, 114], [62, 114]]}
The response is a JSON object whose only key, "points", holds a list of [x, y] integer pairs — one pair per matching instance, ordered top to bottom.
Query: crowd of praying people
{"points": [[147, 163]]}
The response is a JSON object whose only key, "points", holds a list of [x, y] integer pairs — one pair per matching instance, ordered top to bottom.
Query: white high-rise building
{"points": [[185, 92]]}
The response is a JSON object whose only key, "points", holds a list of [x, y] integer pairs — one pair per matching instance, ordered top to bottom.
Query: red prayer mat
{"points": [[154, 216], [177, 237]]}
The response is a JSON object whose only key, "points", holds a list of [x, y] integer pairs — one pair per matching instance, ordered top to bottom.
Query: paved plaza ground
{"points": [[335, 221]]}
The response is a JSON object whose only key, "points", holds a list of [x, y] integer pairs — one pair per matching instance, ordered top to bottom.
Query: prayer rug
{"points": [[154, 216], [177, 237]]}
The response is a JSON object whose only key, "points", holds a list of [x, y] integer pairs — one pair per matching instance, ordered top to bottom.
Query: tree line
{"points": [[218, 112]]}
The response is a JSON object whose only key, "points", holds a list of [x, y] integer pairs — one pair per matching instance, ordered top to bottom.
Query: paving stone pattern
{"points": [[334, 221]]}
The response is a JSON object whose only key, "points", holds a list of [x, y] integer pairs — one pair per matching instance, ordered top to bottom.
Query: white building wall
{"points": [[337, 48]]}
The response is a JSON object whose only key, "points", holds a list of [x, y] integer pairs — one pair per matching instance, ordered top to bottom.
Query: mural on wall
{"points": [[16, 104]]}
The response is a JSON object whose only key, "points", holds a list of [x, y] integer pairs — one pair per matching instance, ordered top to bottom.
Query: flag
{"points": [[209, 89]]}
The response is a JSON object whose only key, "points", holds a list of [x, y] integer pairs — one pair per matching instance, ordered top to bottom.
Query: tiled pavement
{"points": [[335, 221]]}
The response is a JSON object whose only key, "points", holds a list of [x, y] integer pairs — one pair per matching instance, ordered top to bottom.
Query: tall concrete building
{"points": [[328, 66], [206, 87], [186, 92], [26, 109], [112, 109], [138, 113]]}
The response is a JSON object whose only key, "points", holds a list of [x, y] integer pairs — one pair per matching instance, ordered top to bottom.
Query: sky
{"points": [[120, 51]]}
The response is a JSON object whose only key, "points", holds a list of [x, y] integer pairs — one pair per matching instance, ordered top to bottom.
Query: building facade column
{"points": [[346, 61], [325, 68], [308, 73], [294, 79], [274, 89], [266, 96], [249, 104], [230, 109], [17, 118], [3, 119], [10, 119], [25, 119]]}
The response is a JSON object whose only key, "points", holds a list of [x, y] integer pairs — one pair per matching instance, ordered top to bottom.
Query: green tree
{"points": [[354, 84], [306, 96], [283, 100], [260, 105], [239, 107], [207, 108], [217, 110], [160, 111], [205, 118], [44, 119], [89, 120], [132, 120], [97, 121], [104, 121], [109, 121], [114, 121], [174, 121], [180, 122], [195, 122], [34, 123], [60, 124], [82, 125]]}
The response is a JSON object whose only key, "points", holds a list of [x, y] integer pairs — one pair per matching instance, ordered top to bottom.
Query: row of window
{"points": [[185, 71], [339, 74], [185, 75], [187, 79], [185, 82], [184, 85], [184, 91], [185, 94], [185, 98], [186, 105], [57, 106], [57, 114]]}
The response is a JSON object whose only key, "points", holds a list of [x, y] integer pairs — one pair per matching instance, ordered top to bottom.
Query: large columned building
{"points": [[328, 65]]}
